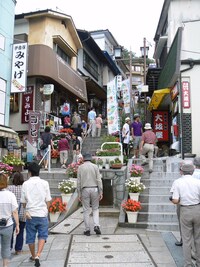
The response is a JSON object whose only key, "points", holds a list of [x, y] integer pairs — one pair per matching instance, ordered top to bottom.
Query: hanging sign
{"points": [[19, 68], [186, 94], [27, 104], [161, 125]]}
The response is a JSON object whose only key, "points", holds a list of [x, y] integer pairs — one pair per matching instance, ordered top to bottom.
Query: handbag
{"points": [[43, 146]]}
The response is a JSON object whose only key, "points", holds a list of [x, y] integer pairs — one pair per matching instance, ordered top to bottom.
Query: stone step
{"points": [[157, 182], [155, 189], [145, 198], [158, 207], [157, 217], [154, 226]]}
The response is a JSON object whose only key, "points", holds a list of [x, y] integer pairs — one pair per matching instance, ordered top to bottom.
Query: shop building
{"points": [[53, 45], [178, 58]]}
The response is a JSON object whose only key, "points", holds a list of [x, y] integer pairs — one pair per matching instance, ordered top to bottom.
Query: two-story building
{"points": [[53, 45], [178, 56]]}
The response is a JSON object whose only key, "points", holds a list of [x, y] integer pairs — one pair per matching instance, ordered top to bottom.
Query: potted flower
{"points": [[54, 155], [13, 161], [99, 162], [116, 164], [6, 168], [72, 169], [136, 171], [134, 187], [67, 188], [56, 207], [131, 207]]}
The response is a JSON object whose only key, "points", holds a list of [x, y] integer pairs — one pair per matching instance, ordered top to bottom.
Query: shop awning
{"points": [[157, 98], [7, 132]]}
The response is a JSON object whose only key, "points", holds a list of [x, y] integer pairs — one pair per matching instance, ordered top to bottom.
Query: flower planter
{"points": [[54, 160], [107, 166], [116, 166], [100, 167], [137, 178], [134, 196], [66, 197], [54, 216], [132, 216]]}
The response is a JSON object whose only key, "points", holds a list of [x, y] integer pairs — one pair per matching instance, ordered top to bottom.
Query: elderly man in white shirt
{"points": [[186, 192], [35, 198]]}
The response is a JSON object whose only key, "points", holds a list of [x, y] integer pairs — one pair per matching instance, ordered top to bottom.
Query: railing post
{"points": [[49, 158]]}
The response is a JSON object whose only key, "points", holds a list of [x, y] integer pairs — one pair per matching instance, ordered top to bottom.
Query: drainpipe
{"points": [[191, 62]]}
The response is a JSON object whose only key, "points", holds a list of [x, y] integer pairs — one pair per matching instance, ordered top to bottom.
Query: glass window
{"points": [[61, 53], [90, 65], [14, 103]]}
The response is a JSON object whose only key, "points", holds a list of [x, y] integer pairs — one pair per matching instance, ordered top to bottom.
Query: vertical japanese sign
{"points": [[19, 68], [125, 88], [186, 94], [27, 104], [112, 107], [161, 125], [34, 126]]}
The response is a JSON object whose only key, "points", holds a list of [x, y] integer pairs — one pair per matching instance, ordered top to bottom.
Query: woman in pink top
{"points": [[99, 125], [63, 148]]}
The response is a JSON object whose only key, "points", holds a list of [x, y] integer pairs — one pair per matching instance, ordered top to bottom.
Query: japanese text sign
{"points": [[19, 68], [186, 94], [27, 104], [161, 125], [34, 126]]}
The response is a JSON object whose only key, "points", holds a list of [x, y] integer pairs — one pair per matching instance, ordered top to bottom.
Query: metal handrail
{"points": [[49, 158]]}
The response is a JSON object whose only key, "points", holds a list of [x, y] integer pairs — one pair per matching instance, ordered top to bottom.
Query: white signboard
{"points": [[19, 68], [48, 89]]}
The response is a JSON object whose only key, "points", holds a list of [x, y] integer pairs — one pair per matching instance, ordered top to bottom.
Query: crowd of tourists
{"points": [[80, 130], [144, 143], [25, 204]]}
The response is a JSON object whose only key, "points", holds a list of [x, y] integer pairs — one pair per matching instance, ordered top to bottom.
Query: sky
{"points": [[129, 21]]}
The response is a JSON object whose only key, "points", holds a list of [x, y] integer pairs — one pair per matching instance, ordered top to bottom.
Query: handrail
{"points": [[49, 158]]}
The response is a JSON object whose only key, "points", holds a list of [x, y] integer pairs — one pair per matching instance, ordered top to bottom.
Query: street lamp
{"points": [[144, 51]]}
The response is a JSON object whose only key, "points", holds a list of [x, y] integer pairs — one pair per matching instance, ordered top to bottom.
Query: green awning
{"points": [[171, 69]]}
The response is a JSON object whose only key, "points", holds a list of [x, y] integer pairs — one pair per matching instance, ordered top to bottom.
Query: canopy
{"points": [[157, 98], [7, 132]]}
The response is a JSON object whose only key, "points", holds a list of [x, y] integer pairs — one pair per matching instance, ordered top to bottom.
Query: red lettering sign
{"points": [[186, 94], [27, 104], [161, 125]]}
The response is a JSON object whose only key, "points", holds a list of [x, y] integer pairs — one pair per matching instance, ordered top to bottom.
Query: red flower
{"points": [[131, 205]]}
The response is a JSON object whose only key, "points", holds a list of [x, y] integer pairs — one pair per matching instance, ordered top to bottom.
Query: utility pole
{"points": [[130, 81], [145, 96]]}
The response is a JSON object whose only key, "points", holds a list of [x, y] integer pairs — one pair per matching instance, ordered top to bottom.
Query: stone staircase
{"points": [[91, 144], [157, 213]]}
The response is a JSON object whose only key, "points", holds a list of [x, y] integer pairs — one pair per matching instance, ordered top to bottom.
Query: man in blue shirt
{"points": [[92, 122]]}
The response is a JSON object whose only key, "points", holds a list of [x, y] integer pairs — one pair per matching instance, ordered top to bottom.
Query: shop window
{"points": [[90, 65], [14, 103]]}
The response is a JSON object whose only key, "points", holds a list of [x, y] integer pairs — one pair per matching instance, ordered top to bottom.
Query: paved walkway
{"points": [[116, 246]]}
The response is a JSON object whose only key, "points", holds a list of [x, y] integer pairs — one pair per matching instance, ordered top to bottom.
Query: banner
{"points": [[19, 68], [125, 88], [27, 104], [112, 107], [161, 125], [33, 132]]}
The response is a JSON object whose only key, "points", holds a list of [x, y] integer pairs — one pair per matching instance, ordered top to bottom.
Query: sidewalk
{"points": [[116, 246]]}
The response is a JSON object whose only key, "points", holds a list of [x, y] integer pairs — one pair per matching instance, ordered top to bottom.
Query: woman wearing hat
{"points": [[147, 145], [8, 209]]}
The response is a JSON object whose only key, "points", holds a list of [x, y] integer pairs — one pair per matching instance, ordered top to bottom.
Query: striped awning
{"points": [[157, 98], [7, 132]]}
